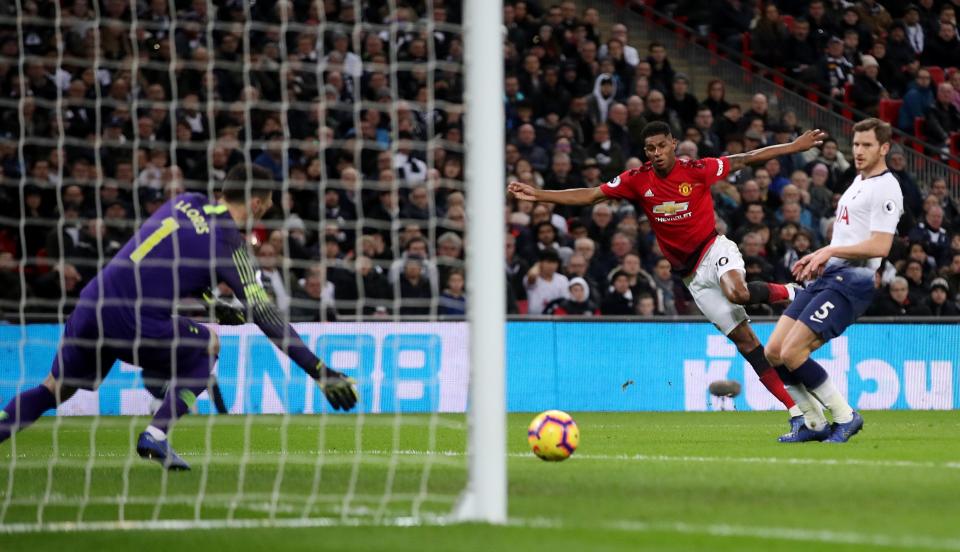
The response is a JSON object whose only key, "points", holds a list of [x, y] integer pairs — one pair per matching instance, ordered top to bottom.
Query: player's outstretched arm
{"points": [[803, 142], [574, 196], [877, 245], [240, 275]]}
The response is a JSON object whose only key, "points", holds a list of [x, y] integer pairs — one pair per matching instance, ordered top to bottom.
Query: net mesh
{"points": [[110, 109]]}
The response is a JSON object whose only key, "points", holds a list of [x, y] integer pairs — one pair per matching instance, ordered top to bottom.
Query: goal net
{"points": [[378, 121]]}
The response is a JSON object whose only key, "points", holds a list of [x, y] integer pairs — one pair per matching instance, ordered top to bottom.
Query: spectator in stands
{"points": [[874, 16], [731, 20], [850, 21], [822, 25], [618, 31], [916, 33], [769, 37], [942, 49], [800, 52], [834, 71], [662, 73], [867, 89], [604, 90], [716, 98], [681, 101], [916, 102], [759, 109], [657, 110], [942, 118], [608, 154], [820, 195], [912, 199], [951, 212], [931, 234], [418, 248], [578, 267], [913, 271], [544, 283], [48, 287], [669, 290], [416, 291], [313, 297], [619, 300], [453, 301], [579, 301], [897, 301], [939, 302], [646, 306]]}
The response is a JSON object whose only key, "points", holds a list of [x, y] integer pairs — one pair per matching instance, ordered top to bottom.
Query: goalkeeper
{"points": [[126, 312]]}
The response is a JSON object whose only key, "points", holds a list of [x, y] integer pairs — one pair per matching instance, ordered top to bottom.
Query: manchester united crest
{"points": [[685, 189]]}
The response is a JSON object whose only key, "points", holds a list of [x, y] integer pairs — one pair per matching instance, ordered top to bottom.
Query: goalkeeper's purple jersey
{"points": [[185, 247]]}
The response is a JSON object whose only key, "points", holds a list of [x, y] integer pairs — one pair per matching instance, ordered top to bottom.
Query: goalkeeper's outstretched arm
{"points": [[573, 196], [240, 275]]}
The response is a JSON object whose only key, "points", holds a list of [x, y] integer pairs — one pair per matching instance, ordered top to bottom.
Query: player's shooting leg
{"points": [[738, 291], [749, 346]]}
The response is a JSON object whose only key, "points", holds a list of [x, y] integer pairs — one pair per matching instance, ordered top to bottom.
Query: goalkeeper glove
{"points": [[225, 313], [340, 390]]}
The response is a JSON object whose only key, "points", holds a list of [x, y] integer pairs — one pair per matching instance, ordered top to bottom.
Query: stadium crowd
{"points": [[366, 136]]}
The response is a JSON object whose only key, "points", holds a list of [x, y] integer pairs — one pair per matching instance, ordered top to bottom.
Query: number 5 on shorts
{"points": [[167, 227], [822, 312]]}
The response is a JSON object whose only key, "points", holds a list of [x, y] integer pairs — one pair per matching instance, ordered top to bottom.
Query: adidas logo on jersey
{"points": [[648, 194]]}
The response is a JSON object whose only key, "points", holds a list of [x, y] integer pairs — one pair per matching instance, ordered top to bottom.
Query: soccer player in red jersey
{"points": [[675, 195]]}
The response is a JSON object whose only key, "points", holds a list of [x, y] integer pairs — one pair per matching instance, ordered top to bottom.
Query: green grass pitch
{"points": [[639, 481]]}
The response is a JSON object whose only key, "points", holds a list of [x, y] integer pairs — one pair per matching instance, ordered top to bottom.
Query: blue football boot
{"points": [[842, 433], [803, 434], [150, 448]]}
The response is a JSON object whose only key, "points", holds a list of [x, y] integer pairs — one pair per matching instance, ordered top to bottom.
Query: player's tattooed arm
{"points": [[805, 141]]}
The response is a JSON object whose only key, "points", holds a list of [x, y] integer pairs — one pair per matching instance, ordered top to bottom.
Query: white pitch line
{"points": [[835, 462], [910, 542]]}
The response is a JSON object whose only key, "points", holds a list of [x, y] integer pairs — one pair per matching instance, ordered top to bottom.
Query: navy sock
{"points": [[811, 374], [786, 376], [24, 409]]}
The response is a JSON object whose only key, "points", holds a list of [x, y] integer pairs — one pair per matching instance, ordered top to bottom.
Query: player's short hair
{"points": [[655, 128], [880, 128], [242, 177]]}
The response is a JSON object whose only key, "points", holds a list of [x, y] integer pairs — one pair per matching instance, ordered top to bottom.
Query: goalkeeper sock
{"points": [[765, 292], [770, 379], [182, 394], [24, 409]]}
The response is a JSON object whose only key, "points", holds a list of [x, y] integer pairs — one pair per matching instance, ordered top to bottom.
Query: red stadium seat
{"points": [[788, 21], [745, 50], [936, 73], [847, 111], [889, 111], [522, 307]]}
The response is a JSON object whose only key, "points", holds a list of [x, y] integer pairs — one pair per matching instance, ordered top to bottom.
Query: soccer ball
{"points": [[553, 435]]}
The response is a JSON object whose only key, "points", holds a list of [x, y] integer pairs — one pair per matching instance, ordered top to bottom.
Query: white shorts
{"points": [[704, 284]]}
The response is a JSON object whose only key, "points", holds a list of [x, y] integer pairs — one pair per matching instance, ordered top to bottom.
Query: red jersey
{"points": [[679, 207]]}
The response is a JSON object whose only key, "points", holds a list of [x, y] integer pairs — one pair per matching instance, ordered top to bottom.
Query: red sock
{"points": [[778, 292], [772, 382]]}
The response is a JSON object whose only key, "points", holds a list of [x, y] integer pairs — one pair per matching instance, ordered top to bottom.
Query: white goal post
{"points": [[485, 498]]}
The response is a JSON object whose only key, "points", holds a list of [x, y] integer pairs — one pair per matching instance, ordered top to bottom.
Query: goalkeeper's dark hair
{"points": [[655, 128], [243, 177]]}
